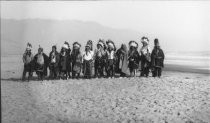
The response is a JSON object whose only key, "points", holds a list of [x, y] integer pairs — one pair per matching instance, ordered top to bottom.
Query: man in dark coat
{"points": [[157, 59], [41, 63], [54, 63]]}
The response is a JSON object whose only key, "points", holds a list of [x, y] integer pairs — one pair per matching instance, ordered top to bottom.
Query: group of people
{"points": [[105, 61]]}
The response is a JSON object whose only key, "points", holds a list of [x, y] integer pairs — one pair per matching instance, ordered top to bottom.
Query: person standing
{"points": [[145, 54], [110, 56], [76, 57], [133, 58], [157, 59], [27, 60], [100, 60], [122, 60], [88, 61], [63, 62], [68, 62], [41, 63], [54, 63]]}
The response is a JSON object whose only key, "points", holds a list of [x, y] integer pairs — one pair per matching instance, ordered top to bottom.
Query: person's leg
{"points": [[96, 68], [142, 68], [147, 71], [159, 72], [24, 73]]}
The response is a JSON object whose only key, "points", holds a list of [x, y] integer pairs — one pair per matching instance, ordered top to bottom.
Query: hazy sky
{"points": [[183, 25]]}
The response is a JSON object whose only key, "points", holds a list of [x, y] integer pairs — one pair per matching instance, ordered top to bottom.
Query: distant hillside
{"points": [[16, 33]]}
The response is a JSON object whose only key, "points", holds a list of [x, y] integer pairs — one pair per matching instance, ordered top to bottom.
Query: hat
{"points": [[145, 40], [101, 42], [90, 43], [133, 43], [111, 44], [66, 45], [76, 45], [29, 46]]}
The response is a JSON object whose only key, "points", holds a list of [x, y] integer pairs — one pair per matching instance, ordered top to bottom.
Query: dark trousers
{"points": [[145, 65], [27, 68], [99, 68], [110, 68], [53, 71], [40, 72], [157, 72]]}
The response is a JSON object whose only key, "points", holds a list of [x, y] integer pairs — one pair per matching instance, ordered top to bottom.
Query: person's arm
{"points": [[24, 58]]}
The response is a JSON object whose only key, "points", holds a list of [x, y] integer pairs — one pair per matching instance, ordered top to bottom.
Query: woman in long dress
{"points": [[88, 61]]}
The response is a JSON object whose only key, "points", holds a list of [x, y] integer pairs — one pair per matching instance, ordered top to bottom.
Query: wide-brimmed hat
{"points": [[145, 40], [133, 43], [76, 45]]}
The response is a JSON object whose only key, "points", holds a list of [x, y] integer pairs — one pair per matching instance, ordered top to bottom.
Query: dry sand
{"points": [[174, 98]]}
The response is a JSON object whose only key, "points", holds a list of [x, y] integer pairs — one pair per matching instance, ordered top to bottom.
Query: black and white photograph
{"points": [[105, 61]]}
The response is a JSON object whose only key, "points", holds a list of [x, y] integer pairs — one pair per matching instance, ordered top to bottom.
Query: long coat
{"points": [[157, 57], [122, 59], [46, 63]]}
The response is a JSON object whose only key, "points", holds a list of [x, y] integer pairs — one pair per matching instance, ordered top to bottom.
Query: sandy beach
{"points": [[175, 98]]}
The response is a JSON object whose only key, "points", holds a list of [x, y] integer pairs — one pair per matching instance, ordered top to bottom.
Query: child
{"points": [[110, 56], [76, 57], [145, 57], [133, 58], [100, 59], [157, 59], [27, 60], [54, 61], [88, 61], [41, 63]]}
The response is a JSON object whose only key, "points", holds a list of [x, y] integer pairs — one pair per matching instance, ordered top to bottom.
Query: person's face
{"points": [[145, 44], [157, 44], [99, 46], [53, 49], [87, 49], [39, 50]]}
